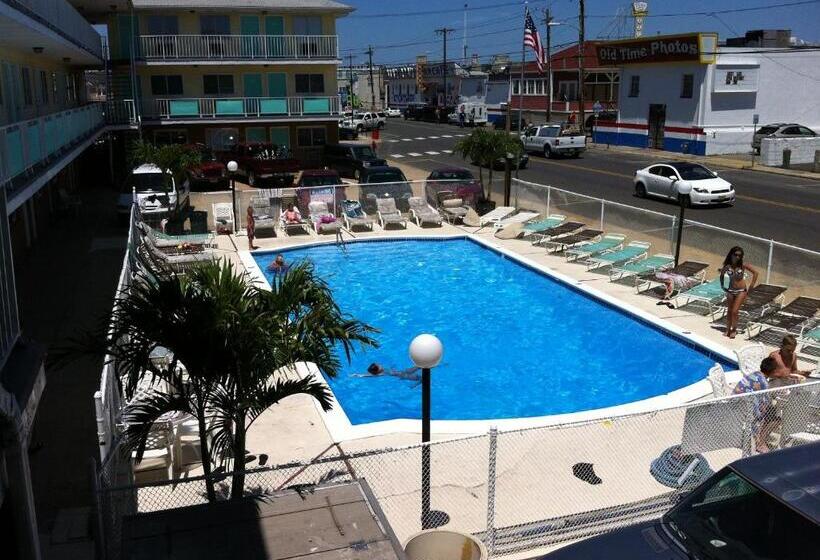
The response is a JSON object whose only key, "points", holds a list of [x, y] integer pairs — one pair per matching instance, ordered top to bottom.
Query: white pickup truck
{"points": [[550, 140]]}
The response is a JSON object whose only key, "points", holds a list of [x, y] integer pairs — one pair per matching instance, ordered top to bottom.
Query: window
{"points": [[163, 25], [214, 25], [307, 25], [310, 83], [217, 84], [166, 85], [515, 85], [601, 86], [634, 86], [688, 86], [43, 87], [539, 87], [568, 91], [27, 98], [806, 131], [549, 132], [170, 136], [308, 137]]}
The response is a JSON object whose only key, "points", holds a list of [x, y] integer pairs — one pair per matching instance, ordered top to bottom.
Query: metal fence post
{"points": [[549, 190], [603, 205], [672, 233], [769, 264], [493, 449], [99, 529]]}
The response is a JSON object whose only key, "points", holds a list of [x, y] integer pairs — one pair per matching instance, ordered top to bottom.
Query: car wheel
{"points": [[359, 128], [547, 151], [251, 179], [640, 190], [686, 200]]}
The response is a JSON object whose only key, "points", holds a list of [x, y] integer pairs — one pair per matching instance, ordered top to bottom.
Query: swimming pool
{"points": [[517, 343]]}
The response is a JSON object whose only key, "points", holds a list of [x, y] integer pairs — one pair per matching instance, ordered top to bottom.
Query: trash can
{"points": [[787, 158], [483, 206], [199, 221], [436, 544]]}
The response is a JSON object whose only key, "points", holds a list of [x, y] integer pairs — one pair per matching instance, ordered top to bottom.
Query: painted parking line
{"points": [[432, 153], [414, 154], [396, 156]]}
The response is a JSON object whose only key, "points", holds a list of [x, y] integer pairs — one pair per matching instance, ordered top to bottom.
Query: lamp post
{"points": [[232, 167], [683, 189], [426, 351]]}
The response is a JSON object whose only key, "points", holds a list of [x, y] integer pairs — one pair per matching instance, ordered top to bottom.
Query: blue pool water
{"points": [[516, 342]]}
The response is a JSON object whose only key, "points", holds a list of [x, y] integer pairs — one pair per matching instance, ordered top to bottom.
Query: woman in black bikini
{"points": [[737, 290]]}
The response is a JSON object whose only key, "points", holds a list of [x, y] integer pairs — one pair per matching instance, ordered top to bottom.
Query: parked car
{"points": [[413, 111], [392, 113], [382, 118], [366, 121], [780, 130], [347, 131], [551, 140], [350, 159], [264, 164], [210, 174], [664, 179], [457, 180], [383, 182], [309, 187], [157, 193], [761, 507]]}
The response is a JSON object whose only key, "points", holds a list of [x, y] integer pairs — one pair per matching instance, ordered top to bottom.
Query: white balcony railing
{"points": [[64, 19], [238, 47], [243, 107], [120, 112]]}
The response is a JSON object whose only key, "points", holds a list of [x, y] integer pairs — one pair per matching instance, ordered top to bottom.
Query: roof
{"points": [[278, 5], [566, 59], [146, 168], [791, 475], [333, 522]]}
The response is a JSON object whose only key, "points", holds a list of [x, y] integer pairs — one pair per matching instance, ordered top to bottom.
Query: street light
{"points": [[232, 167], [683, 189], [426, 351]]}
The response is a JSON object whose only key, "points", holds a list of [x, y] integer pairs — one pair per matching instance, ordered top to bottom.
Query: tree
{"points": [[499, 144], [474, 148], [484, 148], [170, 158]]}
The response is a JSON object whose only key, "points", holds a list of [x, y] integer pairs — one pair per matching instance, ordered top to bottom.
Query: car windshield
{"points": [[767, 130], [364, 152], [694, 172], [461, 175], [386, 177], [320, 181], [146, 182], [730, 518]]}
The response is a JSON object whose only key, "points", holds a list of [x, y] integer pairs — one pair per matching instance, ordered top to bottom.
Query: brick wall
{"points": [[771, 150]]}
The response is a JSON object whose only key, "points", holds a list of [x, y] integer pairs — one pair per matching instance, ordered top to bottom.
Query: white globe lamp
{"points": [[233, 166], [426, 351]]}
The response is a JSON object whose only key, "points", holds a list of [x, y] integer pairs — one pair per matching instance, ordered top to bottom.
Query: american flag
{"points": [[533, 40]]}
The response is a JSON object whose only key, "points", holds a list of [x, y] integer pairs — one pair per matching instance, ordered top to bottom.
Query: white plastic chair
{"points": [[223, 217], [749, 357], [717, 377]]}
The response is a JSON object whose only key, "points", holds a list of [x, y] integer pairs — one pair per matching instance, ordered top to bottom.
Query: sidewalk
{"points": [[732, 161]]}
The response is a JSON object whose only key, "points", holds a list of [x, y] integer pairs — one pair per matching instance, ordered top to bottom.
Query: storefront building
{"points": [[424, 83], [685, 93]]}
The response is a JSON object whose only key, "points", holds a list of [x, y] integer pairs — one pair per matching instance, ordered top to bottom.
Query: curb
{"points": [[714, 160]]}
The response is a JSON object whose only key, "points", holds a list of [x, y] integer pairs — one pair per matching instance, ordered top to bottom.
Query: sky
{"points": [[496, 26]]}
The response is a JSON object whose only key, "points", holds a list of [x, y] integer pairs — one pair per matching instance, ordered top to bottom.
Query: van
{"points": [[157, 193]]}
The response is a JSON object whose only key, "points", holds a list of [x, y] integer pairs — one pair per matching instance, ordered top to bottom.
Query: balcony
{"points": [[61, 18], [224, 48], [239, 108]]}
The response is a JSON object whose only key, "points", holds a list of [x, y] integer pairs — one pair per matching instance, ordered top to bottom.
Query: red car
{"points": [[264, 164], [210, 174], [456, 180]]}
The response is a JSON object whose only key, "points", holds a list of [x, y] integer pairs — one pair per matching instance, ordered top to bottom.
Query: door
{"points": [[274, 29], [249, 43], [277, 85], [657, 120], [655, 180]]}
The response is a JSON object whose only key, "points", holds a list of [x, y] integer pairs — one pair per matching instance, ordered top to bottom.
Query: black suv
{"points": [[351, 159]]}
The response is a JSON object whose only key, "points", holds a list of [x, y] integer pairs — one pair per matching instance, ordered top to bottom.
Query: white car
{"points": [[393, 112], [665, 179], [156, 192]]}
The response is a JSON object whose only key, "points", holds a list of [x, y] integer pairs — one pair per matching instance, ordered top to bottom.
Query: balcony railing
{"points": [[62, 18], [238, 47], [244, 107], [120, 112]]}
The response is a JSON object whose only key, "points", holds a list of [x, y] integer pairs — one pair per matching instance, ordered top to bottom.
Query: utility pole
{"points": [[581, 19], [548, 23], [444, 31], [464, 39], [350, 81], [372, 90]]}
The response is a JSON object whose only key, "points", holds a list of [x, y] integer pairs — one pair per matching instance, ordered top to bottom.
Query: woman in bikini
{"points": [[737, 290]]}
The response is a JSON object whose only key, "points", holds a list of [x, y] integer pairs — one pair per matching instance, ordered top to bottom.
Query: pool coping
{"points": [[341, 429]]}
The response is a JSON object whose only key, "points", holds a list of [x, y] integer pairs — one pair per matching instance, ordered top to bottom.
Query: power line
{"points": [[727, 11], [433, 12]]}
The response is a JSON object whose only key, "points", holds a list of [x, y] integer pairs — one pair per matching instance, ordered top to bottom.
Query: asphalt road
{"points": [[771, 206]]}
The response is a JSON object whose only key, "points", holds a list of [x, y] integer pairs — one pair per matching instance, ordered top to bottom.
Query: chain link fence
{"points": [[526, 489]]}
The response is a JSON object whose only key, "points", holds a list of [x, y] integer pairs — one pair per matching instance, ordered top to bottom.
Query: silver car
{"points": [[780, 130]]}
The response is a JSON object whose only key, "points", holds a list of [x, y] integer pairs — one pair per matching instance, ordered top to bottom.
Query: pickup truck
{"points": [[550, 140], [264, 164]]}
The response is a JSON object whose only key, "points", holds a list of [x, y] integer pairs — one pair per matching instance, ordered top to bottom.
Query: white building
{"points": [[463, 85], [684, 93]]}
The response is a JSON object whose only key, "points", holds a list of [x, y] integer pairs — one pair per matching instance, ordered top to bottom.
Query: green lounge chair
{"points": [[547, 223], [610, 242], [634, 250], [652, 264], [693, 271], [711, 293]]}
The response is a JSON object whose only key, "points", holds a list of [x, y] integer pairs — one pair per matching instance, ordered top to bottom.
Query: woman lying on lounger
{"points": [[675, 283], [376, 370]]}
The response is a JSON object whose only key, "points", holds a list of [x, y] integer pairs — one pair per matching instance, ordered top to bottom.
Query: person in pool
{"points": [[278, 265], [737, 289], [376, 370]]}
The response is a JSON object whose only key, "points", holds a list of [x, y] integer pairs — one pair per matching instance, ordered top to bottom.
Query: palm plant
{"points": [[499, 144], [474, 148]]}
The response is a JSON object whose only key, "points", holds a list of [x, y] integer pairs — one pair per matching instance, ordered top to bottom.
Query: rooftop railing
{"points": [[62, 18], [238, 47], [243, 107]]}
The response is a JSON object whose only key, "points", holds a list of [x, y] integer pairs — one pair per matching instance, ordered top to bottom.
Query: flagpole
{"points": [[521, 81]]}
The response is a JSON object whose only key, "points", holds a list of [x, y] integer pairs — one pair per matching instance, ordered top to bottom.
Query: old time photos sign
{"points": [[670, 48]]}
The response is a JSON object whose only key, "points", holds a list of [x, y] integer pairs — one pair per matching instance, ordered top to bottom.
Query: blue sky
{"points": [[499, 29]]}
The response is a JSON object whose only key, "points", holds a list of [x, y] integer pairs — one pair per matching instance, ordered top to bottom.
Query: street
{"points": [[771, 206]]}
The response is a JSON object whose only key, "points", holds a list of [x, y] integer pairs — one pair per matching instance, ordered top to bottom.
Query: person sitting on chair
{"points": [[291, 215]]}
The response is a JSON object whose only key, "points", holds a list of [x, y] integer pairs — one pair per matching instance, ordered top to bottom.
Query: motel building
{"points": [[687, 93]]}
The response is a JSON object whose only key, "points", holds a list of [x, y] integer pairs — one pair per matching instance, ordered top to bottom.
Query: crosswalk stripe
{"points": [[446, 135], [433, 137], [421, 138], [406, 139], [393, 141], [447, 151], [432, 153], [414, 154], [396, 156]]}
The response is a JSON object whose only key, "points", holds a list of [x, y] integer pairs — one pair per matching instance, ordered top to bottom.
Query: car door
{"points": [[654, 180], [669, 185]]}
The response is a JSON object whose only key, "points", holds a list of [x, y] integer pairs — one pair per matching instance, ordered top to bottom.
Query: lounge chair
{"points": [[452, 206], [422, 212], [388, 213], [496, 215], [263, 216], [321, 216], [355, 216], [223, 217], [520, 218], [290, 226], [540, 226], [564, 228], [163, 240], [565, 242], [610, 242], [634, 250], [176, 261], [649, 265], [692, 270], [710, 293], [759, 300], [788, 319], [809, 339], [749, 358], [717, 378], [800, 424]]}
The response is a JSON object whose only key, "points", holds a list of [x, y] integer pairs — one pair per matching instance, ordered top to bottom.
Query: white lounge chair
{"points": [[452, 206], [422, 212], [388, 213], [263, 215], [355, 215], [496, 215], [321, 216], [223, 217], [520, 218], [289, 226], [750, 356], [717, 378], [156, 464]]}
